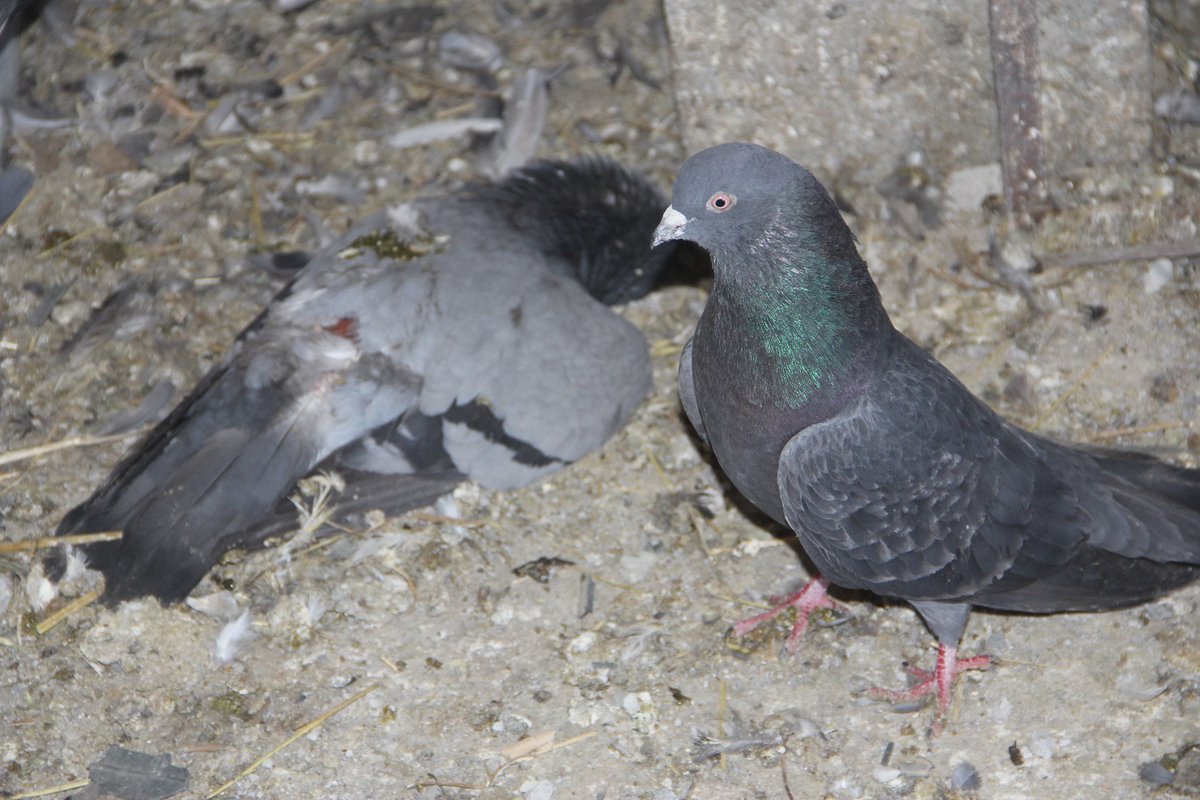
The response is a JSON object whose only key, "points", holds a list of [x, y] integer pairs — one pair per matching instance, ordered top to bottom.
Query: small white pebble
{"points": [[366, 153], [1159, 186], [1158, 274], [1008, 302], [636, 568], [222, 605], [1160, 611], [582, 643], [1140, 685], [632, 703], [1000, 710], [1041, 745], [913, 769], [885, 774], [965, 776], [537, 790]]}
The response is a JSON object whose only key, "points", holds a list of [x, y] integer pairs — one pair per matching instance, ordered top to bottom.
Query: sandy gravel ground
{"points": [[463, 649]]}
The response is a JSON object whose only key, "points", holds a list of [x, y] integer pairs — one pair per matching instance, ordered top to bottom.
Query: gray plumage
{"points": [[454, 337], [895, 478]]}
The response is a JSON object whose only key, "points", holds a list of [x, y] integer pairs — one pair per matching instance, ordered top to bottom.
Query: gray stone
{"points": [[851, 87]]}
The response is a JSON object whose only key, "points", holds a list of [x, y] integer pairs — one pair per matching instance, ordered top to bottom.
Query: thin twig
{"points": [[313, 63], [416, 77], [174, 106], [462, 109], [274, 137], [256, 220], [1188, 248], [49, 251], [958, 281], [1062, 398], [1153, 427], [13, 456], [658, 467], [693, 515], [442, 519], [44, 542], [625, 587], [740, 601], [81, 602], [392, 665], [722, 707], [302, 731], [560, 745], [526, 747], [783, 769], [494, 774], [62, 787]]}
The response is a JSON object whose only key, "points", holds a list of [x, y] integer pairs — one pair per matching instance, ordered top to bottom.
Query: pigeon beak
{"points": [[671, 227]]}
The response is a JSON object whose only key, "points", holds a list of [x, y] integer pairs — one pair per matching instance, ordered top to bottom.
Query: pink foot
{"points": [[805, 601], [949, 665]]}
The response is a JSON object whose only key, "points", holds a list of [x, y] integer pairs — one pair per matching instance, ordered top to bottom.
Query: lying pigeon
{"points": [[15, 181], [458, 337], [895, 478]]}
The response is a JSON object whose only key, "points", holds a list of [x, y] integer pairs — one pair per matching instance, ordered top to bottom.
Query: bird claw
{"points": [[806, 601], [936, 682]]}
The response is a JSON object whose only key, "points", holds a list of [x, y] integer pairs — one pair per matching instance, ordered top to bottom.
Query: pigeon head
{"points": [[738, 199], [785, 266]]}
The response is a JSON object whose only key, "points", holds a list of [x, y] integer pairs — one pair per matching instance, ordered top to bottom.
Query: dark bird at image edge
{"points": [[450, 338], [893, 476]]}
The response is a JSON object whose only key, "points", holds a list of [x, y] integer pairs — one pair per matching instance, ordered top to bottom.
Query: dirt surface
{"points": [[155, 189]]}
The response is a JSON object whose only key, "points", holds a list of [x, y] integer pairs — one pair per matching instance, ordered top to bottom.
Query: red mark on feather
{"points": [[346, 327]]}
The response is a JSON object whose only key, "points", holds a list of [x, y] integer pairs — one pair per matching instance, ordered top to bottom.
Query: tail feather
{"points": [[210, 473], [1180, 485], [1153, 508], [176, 520], [1093, 580]]}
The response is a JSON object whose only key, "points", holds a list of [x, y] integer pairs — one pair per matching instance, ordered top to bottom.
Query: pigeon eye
{"points": [[721, 201]]}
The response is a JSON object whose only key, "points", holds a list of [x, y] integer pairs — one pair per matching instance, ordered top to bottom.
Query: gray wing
{"points": [[526, 370], [297, 386], [687, 392], [917, 491], [920, 491]]}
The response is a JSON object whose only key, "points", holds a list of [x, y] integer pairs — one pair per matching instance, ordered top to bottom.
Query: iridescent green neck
{"points": [[806, 328]]}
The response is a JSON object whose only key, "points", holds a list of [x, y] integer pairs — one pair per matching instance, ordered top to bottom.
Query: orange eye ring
{"points": [[721, 201]]}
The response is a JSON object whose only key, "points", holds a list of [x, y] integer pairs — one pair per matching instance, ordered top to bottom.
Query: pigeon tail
{"points": [[225, 456], [1180, 485]]}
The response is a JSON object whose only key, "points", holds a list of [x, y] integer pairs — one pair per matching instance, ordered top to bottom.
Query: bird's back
{"points": [[920, 491]]}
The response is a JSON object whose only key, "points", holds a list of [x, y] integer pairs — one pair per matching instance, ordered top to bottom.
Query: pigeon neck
{"points": [[809, 329]]}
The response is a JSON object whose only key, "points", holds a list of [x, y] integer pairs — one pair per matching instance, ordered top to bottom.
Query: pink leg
{"points": [[807, 600], [949, 665]]}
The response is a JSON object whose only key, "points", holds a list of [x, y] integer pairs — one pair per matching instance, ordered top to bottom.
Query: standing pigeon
{"points": [[449, 338], [895, 478]]}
